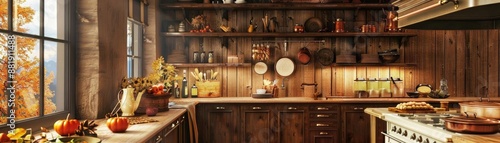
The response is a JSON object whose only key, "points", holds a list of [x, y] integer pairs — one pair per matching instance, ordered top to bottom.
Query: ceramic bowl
{"points": [[261, 91], [413, 94]]}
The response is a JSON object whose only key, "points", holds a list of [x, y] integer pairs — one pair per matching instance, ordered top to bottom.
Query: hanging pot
{"points": [[304, 56], [325, 56], [466, 124]]}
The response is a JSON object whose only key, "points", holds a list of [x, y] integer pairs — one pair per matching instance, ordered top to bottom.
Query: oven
{"points": [[416, 128]]}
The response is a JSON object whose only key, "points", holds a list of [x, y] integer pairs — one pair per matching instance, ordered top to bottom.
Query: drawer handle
{"points": [[220, 108], [256, 108], [292, 108], [322, 108], [358, 108], [322, 116], [322, 125], [323, 133], [159, 138]]}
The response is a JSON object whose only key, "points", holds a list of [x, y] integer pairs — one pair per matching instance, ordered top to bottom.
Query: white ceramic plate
{"points": [[285, 66], [260, 68]]}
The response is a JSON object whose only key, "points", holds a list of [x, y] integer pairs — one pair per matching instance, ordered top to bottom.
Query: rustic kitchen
{"points": [[253, 71]]}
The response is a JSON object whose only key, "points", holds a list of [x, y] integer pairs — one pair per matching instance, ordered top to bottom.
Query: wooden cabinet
{"points": [[218, 123], [323, 123], [356, 123], [256, 124], [291, 127], [174, 132]]}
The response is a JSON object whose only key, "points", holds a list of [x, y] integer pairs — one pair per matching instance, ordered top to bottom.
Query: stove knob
{"points": [[393, 129], [399, 131], [405, 133], [413, 136], [419, 139], [427, 141], [434, 142]]}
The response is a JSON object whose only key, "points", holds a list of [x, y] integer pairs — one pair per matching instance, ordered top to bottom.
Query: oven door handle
{"points": [[392, 137]]}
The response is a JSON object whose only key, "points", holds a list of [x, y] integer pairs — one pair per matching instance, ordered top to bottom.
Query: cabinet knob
{"points": [[220, 108], [256, 108], [292, 108], [322, 108], [322, 116], [322, 125], [323, 133]]}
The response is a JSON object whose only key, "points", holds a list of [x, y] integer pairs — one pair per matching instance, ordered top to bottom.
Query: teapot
{"points": [[391, 23], [128, 104]]}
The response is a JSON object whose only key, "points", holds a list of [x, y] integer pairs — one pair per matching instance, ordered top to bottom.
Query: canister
{"points": [[360, 87], [384, 87], [372, 88], [397, 88]]}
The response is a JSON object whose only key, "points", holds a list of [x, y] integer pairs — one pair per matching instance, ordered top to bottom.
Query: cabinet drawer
{"points": [[256, 107], [324, 107], [323, 116], [323, 124], [324, 136]]}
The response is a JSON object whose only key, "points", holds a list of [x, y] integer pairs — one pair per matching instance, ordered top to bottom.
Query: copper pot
{"points": [[482, 109], [466, 124]]}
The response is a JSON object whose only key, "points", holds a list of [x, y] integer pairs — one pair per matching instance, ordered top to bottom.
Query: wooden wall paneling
{"points": [[462, 42], [440, 51], [410, 56], [450, 58], [470, 70], [427, 74], [482, 74], [296, 78], [349, 80], [493, 80]]}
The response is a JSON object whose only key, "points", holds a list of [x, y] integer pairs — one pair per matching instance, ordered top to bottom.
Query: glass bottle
{"points": [[339, 25], [196, 57], [184, 85], [194, 91]]}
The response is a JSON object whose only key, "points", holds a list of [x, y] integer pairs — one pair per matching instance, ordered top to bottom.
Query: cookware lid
{"points": [[285, 66], [260, 68], [472, 120]]}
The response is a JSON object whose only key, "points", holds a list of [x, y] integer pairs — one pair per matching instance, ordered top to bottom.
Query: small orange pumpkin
{"points": [[117, 124], [66, 127], [4, 138]]}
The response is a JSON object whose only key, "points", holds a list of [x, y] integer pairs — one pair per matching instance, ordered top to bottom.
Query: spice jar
{"points": [[339, 25], [298, 28], [196, 57], [203, 57], [211, 57], [373, 89]]}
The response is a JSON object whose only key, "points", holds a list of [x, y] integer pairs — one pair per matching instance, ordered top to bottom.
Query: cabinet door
{"points": [[218, 123], [291, 123], [356, 123], [256, 124]]}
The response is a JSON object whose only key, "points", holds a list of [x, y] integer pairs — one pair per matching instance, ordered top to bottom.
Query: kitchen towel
{"points": [[193, 127]]}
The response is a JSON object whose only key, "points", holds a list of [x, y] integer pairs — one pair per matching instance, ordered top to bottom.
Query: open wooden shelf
{"points": [[272, 6], [288, 34], [377, 64], [195, 65]]}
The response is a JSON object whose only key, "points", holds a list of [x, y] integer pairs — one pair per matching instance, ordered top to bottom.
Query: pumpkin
{"points": [[117, 124], [66, 127], [4, 138]]}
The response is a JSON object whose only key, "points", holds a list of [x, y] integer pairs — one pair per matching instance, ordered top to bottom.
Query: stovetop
{"points": [[435, 120]]}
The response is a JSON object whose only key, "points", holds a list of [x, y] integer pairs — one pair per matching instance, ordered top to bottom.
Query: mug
{"points": [[227, 1]]}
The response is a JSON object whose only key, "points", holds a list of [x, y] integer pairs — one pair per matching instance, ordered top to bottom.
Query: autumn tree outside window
{"points": [[41, 31]]}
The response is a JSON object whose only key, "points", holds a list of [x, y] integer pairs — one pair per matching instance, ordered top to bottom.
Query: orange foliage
{"points": [[28, 82]]}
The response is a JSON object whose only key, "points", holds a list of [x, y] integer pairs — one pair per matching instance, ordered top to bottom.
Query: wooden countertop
{"points": [[312, 100], [135, 133], [465, 138]]}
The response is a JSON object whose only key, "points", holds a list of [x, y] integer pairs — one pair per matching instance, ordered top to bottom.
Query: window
{"points": [[134, 48], [34, 62]]}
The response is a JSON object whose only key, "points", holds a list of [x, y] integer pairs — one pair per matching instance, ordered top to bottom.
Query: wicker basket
{"points": [[149, 100]]}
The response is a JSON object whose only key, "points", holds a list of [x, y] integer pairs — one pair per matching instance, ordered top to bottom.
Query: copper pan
{"points": [[489, 110], [466, 124]]}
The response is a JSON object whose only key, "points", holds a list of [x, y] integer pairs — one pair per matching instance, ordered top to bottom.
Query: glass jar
{"points": [[339, 25], [196, 57], [211, 57], [360, 84], [384, 86], [372, 88]]}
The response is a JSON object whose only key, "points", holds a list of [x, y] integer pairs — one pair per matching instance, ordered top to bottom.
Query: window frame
{"points": [[69, 67]]}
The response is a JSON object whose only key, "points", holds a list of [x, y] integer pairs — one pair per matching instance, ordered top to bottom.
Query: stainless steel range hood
{"points": [[448, 14]]}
